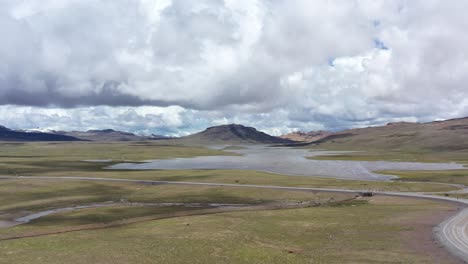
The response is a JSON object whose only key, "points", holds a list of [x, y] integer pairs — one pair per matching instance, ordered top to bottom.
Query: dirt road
{"points": [[453, 233]]}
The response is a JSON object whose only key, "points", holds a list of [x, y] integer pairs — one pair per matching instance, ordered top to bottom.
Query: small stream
{"points": [[34, 216]]}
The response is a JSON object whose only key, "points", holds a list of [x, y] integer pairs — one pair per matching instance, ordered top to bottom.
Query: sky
{"points": [[174, 67]]}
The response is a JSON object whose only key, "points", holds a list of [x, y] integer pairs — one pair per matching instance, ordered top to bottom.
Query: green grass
{"points": [[118, 151], [398, 156], [449, 176], [261, 178], [37, 195], [456, 195], [21, 198], [104, 215], [93, 218], [353, 233]]}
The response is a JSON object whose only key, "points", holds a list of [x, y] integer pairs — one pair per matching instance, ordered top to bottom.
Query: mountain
{"points": [[7, 134], [232, 134], [108, 135], [448, 135], [306, 136]]}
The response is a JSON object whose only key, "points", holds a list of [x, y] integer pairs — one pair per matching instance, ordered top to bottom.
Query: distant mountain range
{"points": [[7, 134], [225, 134], [108, 135], [451, 135]]}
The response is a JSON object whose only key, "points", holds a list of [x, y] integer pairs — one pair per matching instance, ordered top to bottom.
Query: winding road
{"points": [[453, 232]]}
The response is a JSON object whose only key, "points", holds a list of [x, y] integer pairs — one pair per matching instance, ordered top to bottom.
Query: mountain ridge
{"points": [[7, 134], [232, 134], [451, 134], [109, 135], [445, 135]]}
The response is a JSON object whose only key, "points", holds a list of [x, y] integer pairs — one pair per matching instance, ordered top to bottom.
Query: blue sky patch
{"points": [[380, 44]]}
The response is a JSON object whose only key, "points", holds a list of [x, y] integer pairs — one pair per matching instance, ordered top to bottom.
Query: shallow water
{"points": [[288, 161], [34, 216], [29, 218]]}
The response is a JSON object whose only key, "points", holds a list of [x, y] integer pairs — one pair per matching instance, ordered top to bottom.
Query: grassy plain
{"points": [[117, 151], [416, 155], [66, 159], [449, 176], [36, 195], [23, 197], [359, 231], [356, 232]]}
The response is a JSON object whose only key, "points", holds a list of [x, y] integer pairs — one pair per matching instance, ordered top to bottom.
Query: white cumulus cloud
{"points": [[175, 66]]}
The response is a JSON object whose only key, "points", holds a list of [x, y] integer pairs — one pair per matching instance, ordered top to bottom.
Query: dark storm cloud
{"points": [[108, 94]]}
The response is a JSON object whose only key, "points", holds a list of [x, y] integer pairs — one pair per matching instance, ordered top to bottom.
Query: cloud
{"points": [[203, 54], [280, 65], [141, 120]]}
